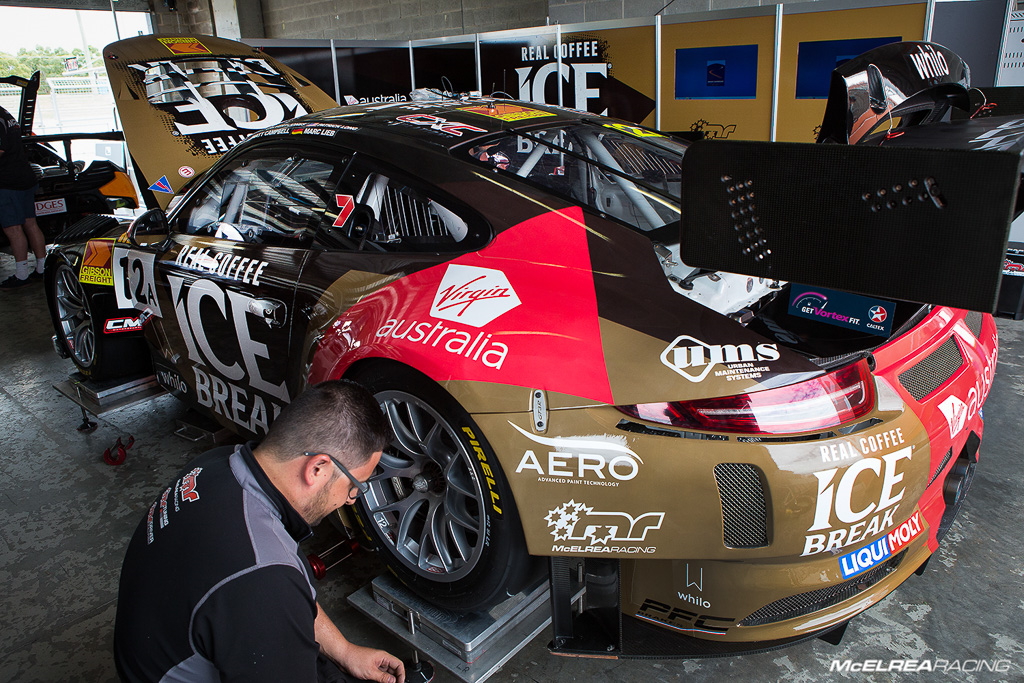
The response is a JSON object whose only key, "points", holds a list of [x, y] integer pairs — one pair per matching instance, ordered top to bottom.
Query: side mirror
{"points": [[152, 222]]}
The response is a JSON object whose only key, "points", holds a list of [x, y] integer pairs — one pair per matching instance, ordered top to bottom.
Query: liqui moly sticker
{"points": [[473, 296], [881, 549]]}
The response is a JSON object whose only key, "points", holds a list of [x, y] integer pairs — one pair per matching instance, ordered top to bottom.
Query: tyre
{"points": [[78, 321], [439, 510]]}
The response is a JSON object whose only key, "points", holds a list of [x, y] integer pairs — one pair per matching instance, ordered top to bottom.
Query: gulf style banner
{"points": [[606, 72]]}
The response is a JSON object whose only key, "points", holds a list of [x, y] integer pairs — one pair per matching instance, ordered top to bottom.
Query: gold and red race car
{"points": [[742, 461]]}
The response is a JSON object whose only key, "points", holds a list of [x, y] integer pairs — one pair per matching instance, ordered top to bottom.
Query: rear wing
{"points": [[29, 93], [919, 209], [914, 224]]}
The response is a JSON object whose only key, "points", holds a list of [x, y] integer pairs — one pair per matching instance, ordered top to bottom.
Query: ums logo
{"points": [[694, 359]]}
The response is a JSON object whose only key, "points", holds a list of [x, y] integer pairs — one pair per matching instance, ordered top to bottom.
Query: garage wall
{"points": [[575, 11], [397, 19]]}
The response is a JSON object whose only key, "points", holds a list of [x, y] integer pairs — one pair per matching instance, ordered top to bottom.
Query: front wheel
{"points": [[78, 320], [439, 509]]}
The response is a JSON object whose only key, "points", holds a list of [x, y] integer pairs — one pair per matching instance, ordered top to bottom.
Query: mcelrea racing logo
{"points": [[694, 359], [578, 522]]}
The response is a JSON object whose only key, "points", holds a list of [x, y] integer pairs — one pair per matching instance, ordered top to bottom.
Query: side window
{"points": [[276, 198], [375, 210]]}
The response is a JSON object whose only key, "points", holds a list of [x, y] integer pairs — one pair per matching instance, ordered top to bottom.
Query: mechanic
{"points": [[18, 203], [214, 586]]}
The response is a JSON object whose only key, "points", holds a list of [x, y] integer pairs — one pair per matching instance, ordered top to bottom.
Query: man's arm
{"points": [[361, 662]]}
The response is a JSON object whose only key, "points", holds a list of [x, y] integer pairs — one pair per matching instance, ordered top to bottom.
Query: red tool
{"points": [[116, 454], [348, 548]]}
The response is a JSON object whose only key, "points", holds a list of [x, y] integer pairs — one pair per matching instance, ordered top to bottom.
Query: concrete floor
{"points": [[65, 518]]}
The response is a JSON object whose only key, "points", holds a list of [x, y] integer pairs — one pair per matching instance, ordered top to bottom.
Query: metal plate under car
{"points": [[472, 646]]}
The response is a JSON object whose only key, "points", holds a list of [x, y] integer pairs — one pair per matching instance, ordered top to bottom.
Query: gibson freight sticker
{"points": [[96, 263], [853, 311]]}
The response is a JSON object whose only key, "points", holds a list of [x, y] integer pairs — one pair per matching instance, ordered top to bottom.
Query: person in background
{"points": [[18, 205]]}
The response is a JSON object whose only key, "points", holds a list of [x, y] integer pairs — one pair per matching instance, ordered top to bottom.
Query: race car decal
{"points": [[184, 46], [184, 101], [507, 112], [440, 124], [50, 207], [96, 263], [134, 280], [474, 296], [842, 309], [522, 311], [116, 325], [695, 359], [589, 460], [835, 511], [587, 530], [882, 549], [681, 618]]}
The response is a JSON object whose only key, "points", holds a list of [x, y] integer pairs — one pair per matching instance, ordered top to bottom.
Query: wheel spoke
{"points": [[406, 439], [459, 479], [426, 497], [434, 536]]}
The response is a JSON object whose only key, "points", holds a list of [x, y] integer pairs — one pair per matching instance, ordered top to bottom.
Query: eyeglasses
{"points": [[361, 485]]}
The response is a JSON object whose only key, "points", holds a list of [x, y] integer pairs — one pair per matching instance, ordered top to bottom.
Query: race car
{"points": [[69, 189], [741, 461]]}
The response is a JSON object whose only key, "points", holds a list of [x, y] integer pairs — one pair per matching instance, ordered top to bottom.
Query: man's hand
{"points": [[373, 665]]}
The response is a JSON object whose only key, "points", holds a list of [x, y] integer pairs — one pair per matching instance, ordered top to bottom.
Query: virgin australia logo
{"points": [[473, 296], [694, 360]]}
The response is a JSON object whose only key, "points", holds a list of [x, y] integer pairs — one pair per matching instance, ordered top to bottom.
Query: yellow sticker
{"points": [[184, 46], [507, 112], [635, 131], [96, 263]]}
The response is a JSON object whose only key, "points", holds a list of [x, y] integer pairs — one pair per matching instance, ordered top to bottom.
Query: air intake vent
{"points": [[87, 228], [973, 322], [929, 374], [744, 512], [823, 598]]}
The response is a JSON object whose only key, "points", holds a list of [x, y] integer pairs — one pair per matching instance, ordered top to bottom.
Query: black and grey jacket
{"points": [[213, 586]]}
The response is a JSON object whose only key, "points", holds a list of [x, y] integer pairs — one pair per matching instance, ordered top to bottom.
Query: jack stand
{"points": [[99, 397], [88, 426], [471, 646], [417, 671]]}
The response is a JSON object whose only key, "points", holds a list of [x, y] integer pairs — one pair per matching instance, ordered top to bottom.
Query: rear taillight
{"points": [[827, 401]]}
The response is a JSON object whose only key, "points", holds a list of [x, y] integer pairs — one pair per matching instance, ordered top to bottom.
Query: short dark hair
{"points": [[339, 417]]}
